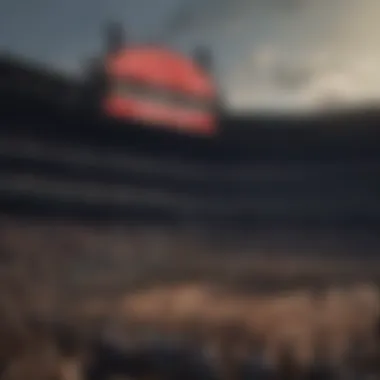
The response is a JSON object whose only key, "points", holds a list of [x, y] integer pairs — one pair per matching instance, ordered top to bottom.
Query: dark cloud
{"points": [[62, 32]]}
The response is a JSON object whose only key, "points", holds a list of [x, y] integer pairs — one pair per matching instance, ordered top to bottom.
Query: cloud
{"points": [[322, 55], [304, 82]]}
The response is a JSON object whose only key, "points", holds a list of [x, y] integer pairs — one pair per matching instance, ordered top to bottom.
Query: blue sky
{"points": [[274, 54]]}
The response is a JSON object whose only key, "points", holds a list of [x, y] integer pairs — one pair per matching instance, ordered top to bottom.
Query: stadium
{"points": [[148, 118], [132, 197]]}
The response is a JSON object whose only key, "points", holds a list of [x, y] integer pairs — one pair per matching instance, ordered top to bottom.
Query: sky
{"points": [[270, 54]]}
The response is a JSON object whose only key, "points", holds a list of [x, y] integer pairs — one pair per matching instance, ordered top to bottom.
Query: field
{"points": [[313, 295]]}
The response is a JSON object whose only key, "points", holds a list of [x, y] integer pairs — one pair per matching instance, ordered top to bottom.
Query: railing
{"points": [[94, 177]]}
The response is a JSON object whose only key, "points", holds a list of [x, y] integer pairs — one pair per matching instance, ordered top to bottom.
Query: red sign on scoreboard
{"points": [[184, 95]]}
